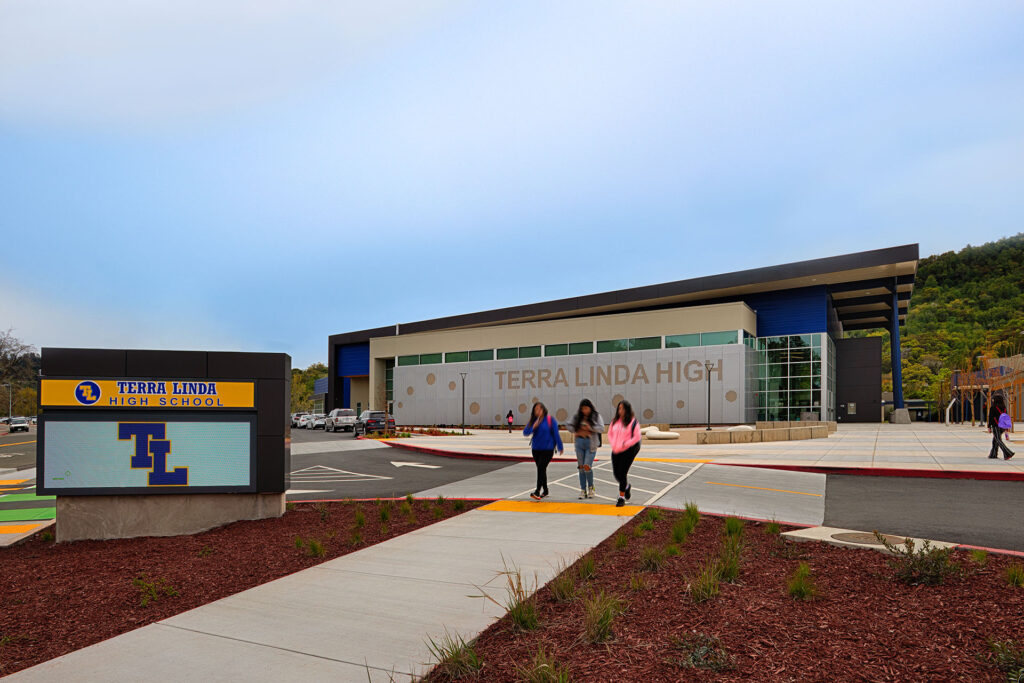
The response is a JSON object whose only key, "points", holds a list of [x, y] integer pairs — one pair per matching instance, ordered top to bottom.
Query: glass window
{"points": [[714, 338], [682, 341], [800, 341], [816, 341], [644, 343], [777, 343], [613, 345], [578, 348], [556, 349], [529, 352], [816, 353], [486, 354], [506, 354], [800, 355], [456, 356], [778, 356], [429, 358], [408, 360], [816, 369], [777, 370], [800, 370], [389, 372], [816, 382], [800, 383], [777, 384], [389, 385], [775, 398], [800, 399]]}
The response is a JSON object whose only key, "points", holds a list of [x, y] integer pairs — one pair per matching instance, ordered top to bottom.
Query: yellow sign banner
{"points": [[139, 393]]}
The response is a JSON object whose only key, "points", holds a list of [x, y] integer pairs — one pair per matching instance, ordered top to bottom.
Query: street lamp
{"points": [[708, 365], [463, 375], [10, 402]]}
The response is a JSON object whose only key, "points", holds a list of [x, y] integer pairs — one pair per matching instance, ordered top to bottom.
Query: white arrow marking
{"points": [[415, 464], [299, 492]]}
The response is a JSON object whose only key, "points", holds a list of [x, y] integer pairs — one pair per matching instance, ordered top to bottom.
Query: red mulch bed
{"points": [[56, 598], [864, 626]]}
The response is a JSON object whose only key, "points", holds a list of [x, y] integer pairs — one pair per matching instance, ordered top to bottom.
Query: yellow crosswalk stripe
{"points": [[563, 508]]}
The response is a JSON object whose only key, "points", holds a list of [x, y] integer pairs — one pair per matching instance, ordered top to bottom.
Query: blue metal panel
{"points": [[790, 311], [353, 360], [320, 386], [346, 392]]}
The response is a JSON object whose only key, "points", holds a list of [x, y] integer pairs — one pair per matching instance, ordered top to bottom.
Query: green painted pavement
{"points": [[21, 497], [27, 514]]}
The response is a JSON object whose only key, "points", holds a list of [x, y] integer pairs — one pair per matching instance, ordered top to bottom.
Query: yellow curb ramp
{"points": [[11, 482], [563, 508], [19, 528]]}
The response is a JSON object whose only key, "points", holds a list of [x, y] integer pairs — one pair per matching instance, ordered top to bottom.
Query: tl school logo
{"points": [[87, 392], [151, 451]]}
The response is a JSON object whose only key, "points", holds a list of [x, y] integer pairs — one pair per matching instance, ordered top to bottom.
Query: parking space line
{"points": [[672, 460], [654, 469], [637, 476], [671, 486], [762, 488]]}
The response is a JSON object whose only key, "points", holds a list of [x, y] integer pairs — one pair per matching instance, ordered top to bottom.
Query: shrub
{"points": [[409, 499], [440, 500], [459, 505], [289, 507], [405, 508], [324, 511], [438, 512], [385, 513], [653, 514], [693, 514], [360, 518], [646, 525], [734, 526], [773, 528], [384, 530], [681, 530], [638, 531], [46, 537], [357, 539], [621, 541], [299, 543], [315, 548], [672, 550], [206, 551], [979, 557], [651, 558], [729, 560], [925, 565], [586, 568], [1015, 574], [637, 582], [706, 583], [800, 584], [563, 586], [153, 590], [520, 600], [599, 612], [700, 651], [455, 657], [1008, 657], [543, 668]]}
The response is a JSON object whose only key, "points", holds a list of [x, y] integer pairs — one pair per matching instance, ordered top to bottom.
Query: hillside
{"points": [[965, 304]]}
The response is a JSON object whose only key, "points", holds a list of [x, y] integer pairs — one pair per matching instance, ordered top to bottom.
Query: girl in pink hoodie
{"points": [[624, 438]]}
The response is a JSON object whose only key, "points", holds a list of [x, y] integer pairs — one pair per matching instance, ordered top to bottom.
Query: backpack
{"points": [[1005, 422]]}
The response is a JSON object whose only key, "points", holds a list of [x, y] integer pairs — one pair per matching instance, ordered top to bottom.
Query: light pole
{"points": [[463, 375], [707, 375], [10, 402]]}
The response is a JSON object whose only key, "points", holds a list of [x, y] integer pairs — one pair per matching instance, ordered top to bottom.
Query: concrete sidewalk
{"points": [[917, 446], [366, 615]]}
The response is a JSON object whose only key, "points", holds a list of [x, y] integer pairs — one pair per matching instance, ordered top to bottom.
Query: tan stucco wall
{"points": [[715, 318], [359, 392]]}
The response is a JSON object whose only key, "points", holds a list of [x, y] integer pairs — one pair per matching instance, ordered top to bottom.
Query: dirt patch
{"points": [[56, 598], [863, 625]]}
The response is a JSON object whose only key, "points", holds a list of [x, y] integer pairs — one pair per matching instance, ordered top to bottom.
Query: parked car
{"points": [[295, 418], [341, 420], [304, 421], [371, 421], [318, 422], [19, 424]]}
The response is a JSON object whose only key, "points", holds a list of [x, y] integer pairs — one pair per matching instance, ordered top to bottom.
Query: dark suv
{"points": [[371, 421]]}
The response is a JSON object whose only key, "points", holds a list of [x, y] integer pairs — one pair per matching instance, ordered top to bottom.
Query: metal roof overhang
{"points": [[854, 281]]}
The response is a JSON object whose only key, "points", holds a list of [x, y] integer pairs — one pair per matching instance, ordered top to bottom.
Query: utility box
{"points": [[162, 443]]}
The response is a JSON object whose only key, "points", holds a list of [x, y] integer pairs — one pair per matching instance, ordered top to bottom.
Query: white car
{"points": [[341, 420], [304, 421], [318, 422]]}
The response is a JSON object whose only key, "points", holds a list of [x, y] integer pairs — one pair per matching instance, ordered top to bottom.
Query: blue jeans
{"points": [[585, 455]]}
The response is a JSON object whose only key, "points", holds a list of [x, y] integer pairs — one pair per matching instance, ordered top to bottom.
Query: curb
{"points": [[426, 450], [886, 472]]}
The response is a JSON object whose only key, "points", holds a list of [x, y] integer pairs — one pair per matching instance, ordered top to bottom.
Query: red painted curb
{"points": [[470, 456], [885, 471], [998, 551]]}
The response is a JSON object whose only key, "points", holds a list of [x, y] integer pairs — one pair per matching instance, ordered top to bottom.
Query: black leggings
{"points": [[997, 443], [542, 458], [621, 462]]}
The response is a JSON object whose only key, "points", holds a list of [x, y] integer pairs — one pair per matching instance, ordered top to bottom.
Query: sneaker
{"points": [[993, 457], [1007, 457], [629, 490], [593, 492], [545, 494], [583, 494], [535, 496], [620, 502]]}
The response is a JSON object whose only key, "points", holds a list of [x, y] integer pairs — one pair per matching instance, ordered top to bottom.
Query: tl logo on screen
{"points": [[87, 392], [151, 451]]}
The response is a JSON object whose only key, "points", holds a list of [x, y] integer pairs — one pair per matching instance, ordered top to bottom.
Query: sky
{"points": [[255, 175]]}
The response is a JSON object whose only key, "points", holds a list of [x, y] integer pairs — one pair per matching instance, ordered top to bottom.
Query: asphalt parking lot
{"points": [[17, 450], [332, 466]]}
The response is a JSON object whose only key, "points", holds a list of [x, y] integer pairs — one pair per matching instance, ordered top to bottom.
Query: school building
{"points": [[768, 343]]}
